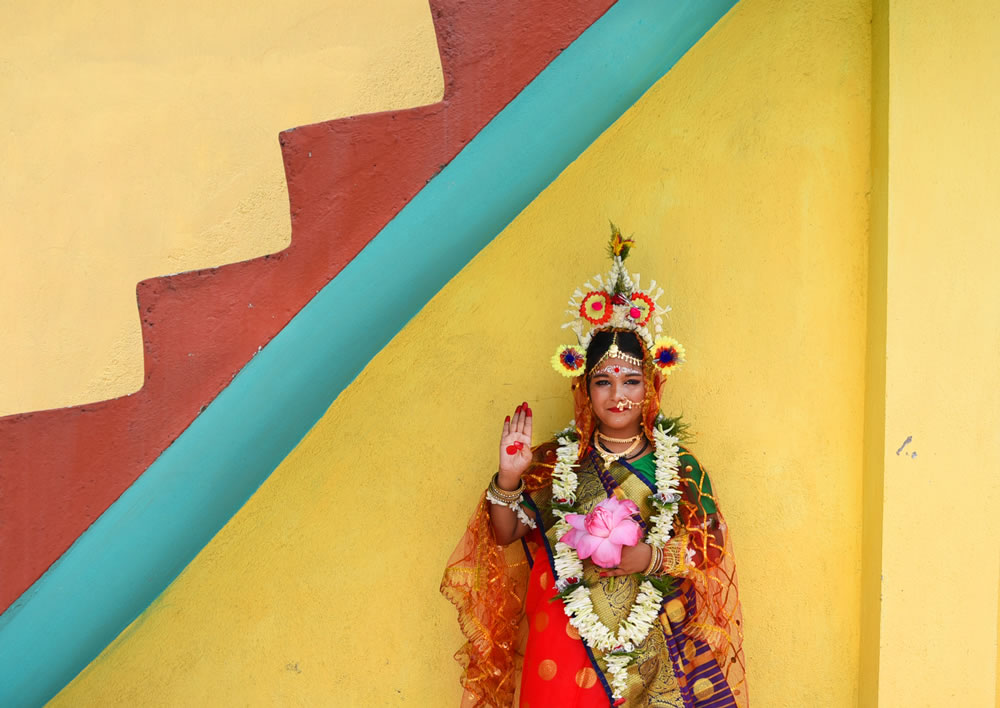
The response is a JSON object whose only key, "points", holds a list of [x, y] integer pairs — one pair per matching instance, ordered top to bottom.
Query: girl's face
{"points": [[617, 390]]}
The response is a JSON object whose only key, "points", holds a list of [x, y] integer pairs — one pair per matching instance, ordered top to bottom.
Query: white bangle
{"points": [[514, 506]]}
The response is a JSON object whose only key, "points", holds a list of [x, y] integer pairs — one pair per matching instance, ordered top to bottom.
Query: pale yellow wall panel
{"points": [[140, 139], [743, 173], [941, 538]]}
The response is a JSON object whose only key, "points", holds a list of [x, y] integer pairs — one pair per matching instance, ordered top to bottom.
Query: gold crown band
{"points": [[614, 352]]}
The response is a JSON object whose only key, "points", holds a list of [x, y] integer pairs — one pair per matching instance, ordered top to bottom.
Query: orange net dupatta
{"points": [[711, 569], [487, 582]]}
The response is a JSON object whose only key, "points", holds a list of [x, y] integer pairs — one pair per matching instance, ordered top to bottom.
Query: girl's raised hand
{"points": [[515, 447]]}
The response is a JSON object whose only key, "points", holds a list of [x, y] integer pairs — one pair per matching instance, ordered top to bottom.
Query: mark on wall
{"points": [[909, 439]]}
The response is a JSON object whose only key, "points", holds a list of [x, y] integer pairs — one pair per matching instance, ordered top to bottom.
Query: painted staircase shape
{"points": [[347, 178]]}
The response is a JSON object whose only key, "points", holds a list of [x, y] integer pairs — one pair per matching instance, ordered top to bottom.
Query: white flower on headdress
{"points": [[616, 301]]}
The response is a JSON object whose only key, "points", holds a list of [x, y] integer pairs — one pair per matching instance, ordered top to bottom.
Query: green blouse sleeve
{"points": [[646, 466], [690, 469]]}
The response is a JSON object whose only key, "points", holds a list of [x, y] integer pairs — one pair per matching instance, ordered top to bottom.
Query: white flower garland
{"points": [[578, 605]]}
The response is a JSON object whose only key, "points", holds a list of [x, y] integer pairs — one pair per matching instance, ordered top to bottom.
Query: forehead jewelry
{"points": [[614, 352], [627, 370]]}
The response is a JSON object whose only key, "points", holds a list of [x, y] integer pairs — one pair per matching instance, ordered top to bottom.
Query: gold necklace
{"points": [[619, 440], [608, 456]]}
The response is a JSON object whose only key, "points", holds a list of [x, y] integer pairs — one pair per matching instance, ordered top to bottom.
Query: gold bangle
{"points": [[495, 484], [504, 495], [654, 560]]}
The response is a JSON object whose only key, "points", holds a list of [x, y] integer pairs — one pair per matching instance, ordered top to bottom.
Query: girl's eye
{"points": [[602, 382], [633, 382]]}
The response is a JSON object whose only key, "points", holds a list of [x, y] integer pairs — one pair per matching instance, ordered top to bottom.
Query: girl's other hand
{"points": [[635, 559]]}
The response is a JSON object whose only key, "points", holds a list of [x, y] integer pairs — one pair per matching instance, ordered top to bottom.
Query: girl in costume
{"points": [[597, 569]]}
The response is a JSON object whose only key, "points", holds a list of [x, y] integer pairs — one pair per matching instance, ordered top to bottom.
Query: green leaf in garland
{"points": [[561, 506], [666, 584], [567, 590]]}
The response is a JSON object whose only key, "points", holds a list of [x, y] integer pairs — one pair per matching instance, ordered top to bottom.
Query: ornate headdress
{"points": [[617, 303]]}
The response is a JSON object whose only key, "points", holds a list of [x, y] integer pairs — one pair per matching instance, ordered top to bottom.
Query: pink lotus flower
{"points": [[601, 534]]}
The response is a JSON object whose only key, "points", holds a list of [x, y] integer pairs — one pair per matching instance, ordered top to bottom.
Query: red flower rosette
{"points": [[596, 307], [642, 308]]}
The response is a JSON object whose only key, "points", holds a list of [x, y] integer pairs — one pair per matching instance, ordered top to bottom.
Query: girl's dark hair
{"points": [[628, 342]]}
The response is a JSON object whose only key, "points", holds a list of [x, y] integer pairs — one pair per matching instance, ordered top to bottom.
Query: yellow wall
{"points": [[141, 139], [743, 173], [875, 365], [941, 538]]}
